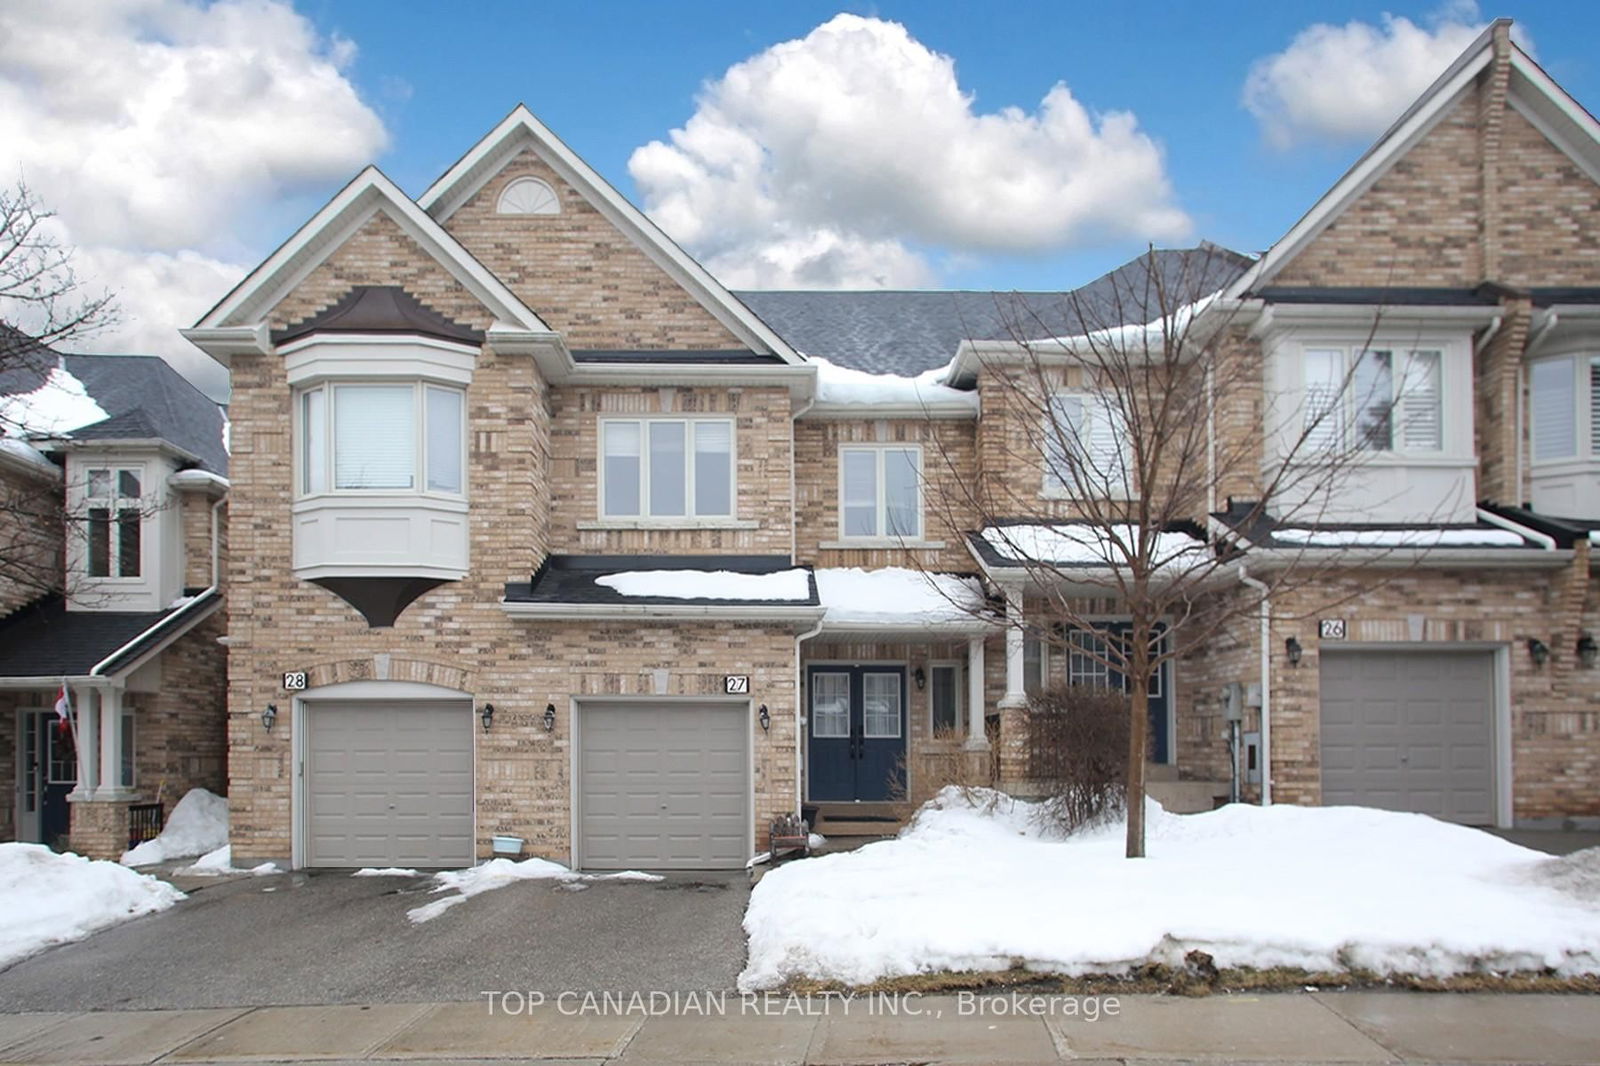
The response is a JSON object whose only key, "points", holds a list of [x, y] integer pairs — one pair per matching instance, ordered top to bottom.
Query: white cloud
{"points": [[1351, 82], [157, 129], [836, 159]]}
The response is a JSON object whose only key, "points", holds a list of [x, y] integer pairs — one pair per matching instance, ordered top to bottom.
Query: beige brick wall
{"points": [[579, 273], [195, 520], [31, 529]]}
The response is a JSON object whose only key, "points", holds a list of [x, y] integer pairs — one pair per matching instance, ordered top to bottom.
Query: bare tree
{"points": [[1139, 433]]}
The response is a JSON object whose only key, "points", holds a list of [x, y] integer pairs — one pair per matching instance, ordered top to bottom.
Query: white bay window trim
{"points": [[1380, 399], [389, 438], [672, 471], [880, 495]]}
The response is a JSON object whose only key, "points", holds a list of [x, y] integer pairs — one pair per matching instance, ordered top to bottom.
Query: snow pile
{"points": [[843, 386], [57, 406], [1400, 538], [1084, 544], [710, 584], [894, 594], [197, 825], [219, 863], [385, 871], [498, 873], [1577, 875], [974, 885], [47, 898]]}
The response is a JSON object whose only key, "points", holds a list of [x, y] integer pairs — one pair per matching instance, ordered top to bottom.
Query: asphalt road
{"points": [[327, 937]]}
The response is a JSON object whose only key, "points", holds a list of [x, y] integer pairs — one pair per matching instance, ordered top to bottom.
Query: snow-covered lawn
{"points": [[198, 825], [496, 873], [981, 886], [47, 898]]}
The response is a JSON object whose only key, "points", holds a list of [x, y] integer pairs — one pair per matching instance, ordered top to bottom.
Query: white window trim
{"points": [[1579, 360], [419, 400], [1450, 435], [1052, 489], [114, 503], [644, 519], [881, 539], [958, 731]]}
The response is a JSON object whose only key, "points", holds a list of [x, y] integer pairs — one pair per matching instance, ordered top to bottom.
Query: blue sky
{"points": [[797, 144]]}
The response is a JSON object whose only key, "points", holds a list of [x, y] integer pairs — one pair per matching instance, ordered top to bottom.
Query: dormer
{"points": [[124, 546]]}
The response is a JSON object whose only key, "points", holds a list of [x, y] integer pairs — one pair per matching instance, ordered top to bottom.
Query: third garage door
{"points": [[1410, 731], [663, 786]]}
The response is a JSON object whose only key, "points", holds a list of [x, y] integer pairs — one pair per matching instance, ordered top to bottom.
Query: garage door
{"points": [[1410, 731], [389, 783], [663, 786]]}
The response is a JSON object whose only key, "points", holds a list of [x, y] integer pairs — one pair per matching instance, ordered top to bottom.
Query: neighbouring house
{"points": [[113, 483], [539, 532]]}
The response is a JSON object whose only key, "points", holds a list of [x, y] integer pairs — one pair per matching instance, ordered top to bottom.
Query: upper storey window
{"points": [[528, 196], [1374, 399], [1566, 407], [381, 437], [1085, 445], [667, 468], [881, 493], [116, 521]]}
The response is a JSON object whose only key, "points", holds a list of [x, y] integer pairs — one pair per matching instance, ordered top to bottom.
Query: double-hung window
{"points": [[1565, 397], [1374, 399], [382, 437], [1085, 445], [667, 468], [880, 492], [116, 521]]}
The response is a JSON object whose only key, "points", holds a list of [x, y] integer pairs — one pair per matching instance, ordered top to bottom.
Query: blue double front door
{"points": [[856, 718]]}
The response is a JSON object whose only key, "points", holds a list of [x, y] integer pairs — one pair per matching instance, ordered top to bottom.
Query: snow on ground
{"points": [[842, 385], [57, 406], [1400, 538], [1087, 544], [710, 584], [894, 594], [196, 826], [219, 863], [385, 871], [498, 873], [975, 887], [48, 898]]}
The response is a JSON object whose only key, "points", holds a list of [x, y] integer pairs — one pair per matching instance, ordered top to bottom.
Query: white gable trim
{"points": [[1560, 118], [521, 129], [370, 193]]}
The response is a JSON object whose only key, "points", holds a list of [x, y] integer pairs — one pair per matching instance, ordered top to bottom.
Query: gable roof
{"points": [[1531, 91], [519, 130], [369, 193], [907, 333]]}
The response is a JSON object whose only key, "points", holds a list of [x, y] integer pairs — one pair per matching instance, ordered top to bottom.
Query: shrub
{"points": [[1078, 752]]}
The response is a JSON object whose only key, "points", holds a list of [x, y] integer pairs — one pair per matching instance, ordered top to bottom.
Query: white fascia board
{"points": [[1553, 112], [1399, 139], [471, 171], [370, 192], [1276, 317], [225, 342], [142, 444], [46, 471], [199, 481], [1410, 558], [656, 612], [180, 622], [911, 628]]}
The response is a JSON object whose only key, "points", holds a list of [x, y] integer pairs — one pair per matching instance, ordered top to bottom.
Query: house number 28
{"points": [[294, 681]]}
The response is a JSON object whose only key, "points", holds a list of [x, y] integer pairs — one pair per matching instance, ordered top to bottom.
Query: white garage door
{"points": [[1410, 731], [389, 783], [663, 786]]}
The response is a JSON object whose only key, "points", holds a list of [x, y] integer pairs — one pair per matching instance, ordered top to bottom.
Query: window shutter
{"points": [[1324, 422], [1422, 427], [1555, 432], [375, 438]]}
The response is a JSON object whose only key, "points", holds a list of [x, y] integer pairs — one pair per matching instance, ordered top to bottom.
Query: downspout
{"points": [[1211, 441], [794, 552], [1265, 611]]}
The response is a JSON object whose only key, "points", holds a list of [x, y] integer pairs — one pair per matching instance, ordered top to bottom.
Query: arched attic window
{"points": [[528, 196]]}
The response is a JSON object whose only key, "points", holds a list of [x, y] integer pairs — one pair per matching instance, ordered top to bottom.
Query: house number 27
{"points": [[736, 684]]}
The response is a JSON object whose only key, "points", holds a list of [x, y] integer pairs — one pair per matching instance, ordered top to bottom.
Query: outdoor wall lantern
{"points": [[1292, 648], [1539, 651], [1588, 651], [920, 676], [487, 714], [269, 716], [549, 717], [765, 718]]}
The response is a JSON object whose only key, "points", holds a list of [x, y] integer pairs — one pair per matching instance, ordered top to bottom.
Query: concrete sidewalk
{"points": [[1347, 1027]]}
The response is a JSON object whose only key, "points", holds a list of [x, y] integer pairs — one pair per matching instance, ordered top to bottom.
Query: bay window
{"points": [[1373, 399], [1565, 399], [382, 437], [667, 468], [880, 493], [112, 501]]}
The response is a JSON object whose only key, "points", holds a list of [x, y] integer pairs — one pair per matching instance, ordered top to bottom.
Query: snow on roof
{"points": [[1136, 335], [842, 385], [58, 406], [26, 452], [1400, 538], [1084, 544], [784, 585], [895, 594]]}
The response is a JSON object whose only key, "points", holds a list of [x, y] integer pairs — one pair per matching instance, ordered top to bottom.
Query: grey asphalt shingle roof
{"points": [[902, 332], [44, 639]]}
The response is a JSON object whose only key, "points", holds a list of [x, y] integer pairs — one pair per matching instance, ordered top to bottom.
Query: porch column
{"points": [[1015, 696], [86, 733], [976, 740], [111, 746]]}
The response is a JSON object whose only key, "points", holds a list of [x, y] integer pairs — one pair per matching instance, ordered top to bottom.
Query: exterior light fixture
{"points": [[1292, 648], [1539, 651], [1588, 651], [920, 676], [487, 714], [764, 716], [269, 717], [549, 717]]}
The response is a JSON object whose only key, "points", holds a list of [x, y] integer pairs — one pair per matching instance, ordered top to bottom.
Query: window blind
{"points": [[1555, 430], [375, 437]]}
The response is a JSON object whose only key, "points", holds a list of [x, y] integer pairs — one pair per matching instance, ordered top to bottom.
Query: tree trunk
{"points": [[1138, 733]]}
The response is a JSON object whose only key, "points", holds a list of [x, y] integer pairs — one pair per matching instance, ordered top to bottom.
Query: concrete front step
{"points": [[1187, 797]]}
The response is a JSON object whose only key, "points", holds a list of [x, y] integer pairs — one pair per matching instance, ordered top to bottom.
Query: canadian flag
{"points": [[63, 710]]}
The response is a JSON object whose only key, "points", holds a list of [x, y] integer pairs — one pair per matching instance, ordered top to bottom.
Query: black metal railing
{"points": [[144, 822]]}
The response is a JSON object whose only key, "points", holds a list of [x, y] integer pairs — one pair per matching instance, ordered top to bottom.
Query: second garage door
{"points": [[1410, 731], [389, 783], [663, 786]]}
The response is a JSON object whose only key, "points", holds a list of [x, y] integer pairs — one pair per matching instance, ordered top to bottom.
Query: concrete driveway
{"points": [[327, 937]]}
